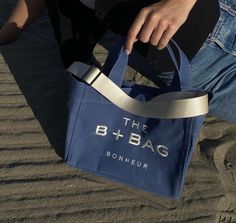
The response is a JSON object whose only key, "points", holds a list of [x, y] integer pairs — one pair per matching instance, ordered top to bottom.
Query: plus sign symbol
{"points": [[118, 134]]}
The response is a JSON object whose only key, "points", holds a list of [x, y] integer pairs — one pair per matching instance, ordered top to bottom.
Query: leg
{"points": [[24, 13], [214, 66], [214, 71]]}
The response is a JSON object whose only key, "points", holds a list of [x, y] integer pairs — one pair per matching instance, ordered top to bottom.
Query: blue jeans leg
{"points": [[214, 66], [214, 70]]}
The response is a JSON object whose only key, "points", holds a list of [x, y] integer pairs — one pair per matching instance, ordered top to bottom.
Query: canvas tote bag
{"points": [[134, 134]]}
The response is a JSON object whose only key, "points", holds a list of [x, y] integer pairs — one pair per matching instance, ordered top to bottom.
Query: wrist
{"points": [[188, 3]]}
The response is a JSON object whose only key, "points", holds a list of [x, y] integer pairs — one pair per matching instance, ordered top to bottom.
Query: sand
{"points": [[36, 186]]}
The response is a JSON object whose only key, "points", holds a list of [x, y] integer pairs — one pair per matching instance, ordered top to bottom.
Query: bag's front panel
{"points": [[148, 153]]}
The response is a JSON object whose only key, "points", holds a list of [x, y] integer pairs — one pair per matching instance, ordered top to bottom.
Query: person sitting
{"points": [[149, 25]]}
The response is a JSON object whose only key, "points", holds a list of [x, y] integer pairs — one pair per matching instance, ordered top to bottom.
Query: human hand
{"points": [[158, 23]]}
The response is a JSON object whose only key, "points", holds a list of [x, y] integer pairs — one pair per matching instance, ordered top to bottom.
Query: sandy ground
{"points": [[36, 186]]}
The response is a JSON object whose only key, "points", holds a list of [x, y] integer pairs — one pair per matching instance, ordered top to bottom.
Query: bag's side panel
{"points": [[76, 94], [194, 126]]}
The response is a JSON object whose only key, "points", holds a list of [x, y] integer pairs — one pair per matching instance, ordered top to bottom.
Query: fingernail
{"points": [[159, 48], [127, 51]]}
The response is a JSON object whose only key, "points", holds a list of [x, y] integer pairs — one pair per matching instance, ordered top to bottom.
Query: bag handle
{"points": [[117, 61], [167, 105]]}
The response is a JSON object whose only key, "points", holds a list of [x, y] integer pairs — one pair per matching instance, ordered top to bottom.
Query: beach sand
{"points": [[35, 184]]}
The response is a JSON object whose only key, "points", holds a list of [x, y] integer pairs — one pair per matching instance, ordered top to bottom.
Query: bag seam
{"points": [[77, 114], [184, 156]]}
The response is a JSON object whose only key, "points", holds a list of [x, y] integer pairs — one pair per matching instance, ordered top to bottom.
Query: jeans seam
{"points": [[228, 8], [222, 46]]}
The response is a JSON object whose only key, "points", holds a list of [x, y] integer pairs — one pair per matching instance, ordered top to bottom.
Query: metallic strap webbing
{"points": [[168, 105]]}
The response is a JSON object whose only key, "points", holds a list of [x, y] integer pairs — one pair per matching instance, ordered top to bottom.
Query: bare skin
{"points": [[24, 13], [158, 22], [155, 24]]}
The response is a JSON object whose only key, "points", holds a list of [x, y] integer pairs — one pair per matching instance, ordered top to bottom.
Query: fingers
{"points": [[157, 23], [149, 27], [134, 30], [158, 33], [166, 37]]}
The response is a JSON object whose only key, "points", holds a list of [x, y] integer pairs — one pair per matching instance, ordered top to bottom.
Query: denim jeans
{"points": [[214, 66]]}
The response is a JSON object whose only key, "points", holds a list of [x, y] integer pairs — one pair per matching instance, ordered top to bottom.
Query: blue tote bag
{"points": [[137, 135]]}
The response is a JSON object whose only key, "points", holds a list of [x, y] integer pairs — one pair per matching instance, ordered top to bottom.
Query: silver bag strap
{"points": [[169, 105]]}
